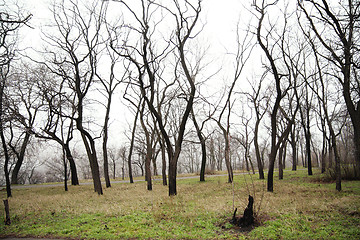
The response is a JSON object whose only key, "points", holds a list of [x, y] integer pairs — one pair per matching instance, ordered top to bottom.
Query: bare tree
{"points": [[10, 22], [185, 22], [336, 28], [79, 29], [269, 50], [243, 52], [109, 85], [320, 90], [38, 93], [321, 94], [260, 102], [24, 108], [60, 110], [305, 123], [199, 128], [149, 138], [245, 140], [202, 143], [114, 155]]}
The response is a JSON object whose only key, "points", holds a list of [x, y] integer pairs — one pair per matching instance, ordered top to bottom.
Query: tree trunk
{"points": [[305, 122], [105, 139], [3, 141], [89, 144], [132, 144], [357, 146], [203, 147], [274, 148], [149, 149], [294, 149], [308, 150], [257, 151], [284, 154], [302, 154], [212, 155], [7, 158], [219, 158], [20, 159], [163, 159], [153, 160], [227, 160], [247, 160], [337, 160], [106, 162], [323, 164], [94, 166], [281, 168], [114, 170], [65, 171], [148, 172], [96, 174], [74, 176], [172, 176], [270, 180], [7, 212]]}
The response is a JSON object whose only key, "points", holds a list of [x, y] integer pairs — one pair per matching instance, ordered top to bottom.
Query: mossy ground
{"points": [[301, 207]]}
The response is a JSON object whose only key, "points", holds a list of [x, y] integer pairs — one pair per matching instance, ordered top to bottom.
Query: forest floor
{"points": [[301, 207]]}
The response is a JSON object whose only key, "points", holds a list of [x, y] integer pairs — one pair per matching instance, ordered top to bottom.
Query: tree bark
{"points": [[2, 136], [3, 141], [357, 142], [132, 143], [104, 145], [203, 147], [293, 148], [149, 149], [90, 150], [257, 151], [284, 154], [212, 155], [227, 155], [7, 158], [163, 158], [20, 159], [281, 167], [73, 170], [65, 171], [172, 174], [7, 212]]}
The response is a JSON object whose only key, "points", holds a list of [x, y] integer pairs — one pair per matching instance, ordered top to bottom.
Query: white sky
{"points": [[220, 17]]}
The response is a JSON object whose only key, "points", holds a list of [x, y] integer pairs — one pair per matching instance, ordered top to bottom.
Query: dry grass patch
{"points": [[298, 209]]}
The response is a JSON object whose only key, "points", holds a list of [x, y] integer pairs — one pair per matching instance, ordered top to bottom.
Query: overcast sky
{"points": [[221, 18]]}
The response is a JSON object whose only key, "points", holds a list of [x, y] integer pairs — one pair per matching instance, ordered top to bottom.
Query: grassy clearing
{"points": [[300, 208]]}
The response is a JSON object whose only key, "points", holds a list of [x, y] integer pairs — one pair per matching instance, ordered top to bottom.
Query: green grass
{"points": [[301, 207]]}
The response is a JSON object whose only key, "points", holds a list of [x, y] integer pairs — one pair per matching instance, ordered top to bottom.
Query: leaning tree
{"points": [[75, 43]]}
